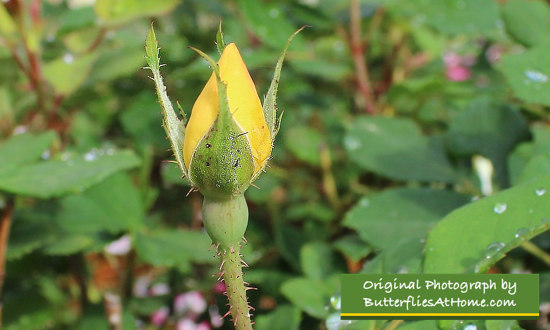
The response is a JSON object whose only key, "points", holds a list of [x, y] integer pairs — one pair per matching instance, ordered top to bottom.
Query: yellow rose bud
{"points": [[250, 139]]}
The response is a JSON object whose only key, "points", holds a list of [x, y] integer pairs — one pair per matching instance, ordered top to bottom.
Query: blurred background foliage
{"points": [[396, 113]]}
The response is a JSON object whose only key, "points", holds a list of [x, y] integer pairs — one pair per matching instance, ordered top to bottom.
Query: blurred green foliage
{"points": [[97, 213]]}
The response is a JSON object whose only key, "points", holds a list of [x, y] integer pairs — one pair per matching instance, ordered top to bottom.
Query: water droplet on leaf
{"points": [[536, 76], [500, 208], [521, 233], [493, 249]]}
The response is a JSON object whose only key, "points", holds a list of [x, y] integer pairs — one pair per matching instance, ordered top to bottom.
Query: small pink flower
{"points": [[458, 73], [119, 247], [159, 289], [192, 301], [159, 316], [215, 318], [186, 324], [203, 326]]}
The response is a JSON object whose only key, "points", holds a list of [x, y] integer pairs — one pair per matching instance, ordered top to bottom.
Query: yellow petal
{"points": [[244, 104]]}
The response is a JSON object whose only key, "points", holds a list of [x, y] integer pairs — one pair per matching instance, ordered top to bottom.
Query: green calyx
{"points": [[222, 164], [225, 220]]}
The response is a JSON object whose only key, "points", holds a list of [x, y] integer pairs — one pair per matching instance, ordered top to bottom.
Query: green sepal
{"points": [[219, 39], [270, 100], [174, 126], [222, 164]]}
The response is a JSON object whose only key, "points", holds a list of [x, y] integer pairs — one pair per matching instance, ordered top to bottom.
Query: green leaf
{"points": [[116, 12], [454, 17], [268, 21], [527, 21], [68, 72], [528, 74], [143, 123], [488, 129], [304, 142], [396, 148], [23, 149], [536, 166], [58, 177], [113, 205], [381, 219], [26, 236], [476, 236], [67, 245], [353, 247], [174, 248], [404, 257], [317, 260], [311, 296], [285, 317]]}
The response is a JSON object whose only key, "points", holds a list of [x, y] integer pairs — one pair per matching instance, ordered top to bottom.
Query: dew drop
{"points": [[68, 58], [536, 76], [352, 143], [208, 145], [46, 155], [91, 156], [207, 164], [540, 192], [364, 202], [500, 208], [521, 233], [493, 249], [402, 270], [335, 301], [470, 327]]}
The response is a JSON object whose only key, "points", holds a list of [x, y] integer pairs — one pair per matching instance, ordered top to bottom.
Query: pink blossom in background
{"points": [[494, 53], [457, 68], [458, 73], [119, 247], [141, 286], [159, 289], [191, 301], [159, 316], [215, 318], [188, 324], [203, 326]]}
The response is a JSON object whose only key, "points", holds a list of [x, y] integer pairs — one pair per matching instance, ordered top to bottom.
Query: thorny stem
{"points": [[357, 47], [5, 225], [231, 269]]}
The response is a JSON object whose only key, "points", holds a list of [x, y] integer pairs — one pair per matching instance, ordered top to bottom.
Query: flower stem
{"points": [[225, 221], [236, 290]]}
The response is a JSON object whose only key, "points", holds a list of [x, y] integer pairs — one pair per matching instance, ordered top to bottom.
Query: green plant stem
{"points": [[225, 221], [5, 224], [536, 251], [236, 290], [394, 324]]}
